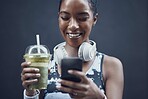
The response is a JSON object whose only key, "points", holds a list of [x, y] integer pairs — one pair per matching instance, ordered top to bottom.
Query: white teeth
{"points": [[73, 35]]}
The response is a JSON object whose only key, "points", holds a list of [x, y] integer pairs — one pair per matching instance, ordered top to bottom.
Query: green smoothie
{"points": [[40, 61]]}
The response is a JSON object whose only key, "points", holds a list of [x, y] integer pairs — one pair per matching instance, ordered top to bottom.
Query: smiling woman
{"points": [[75, 21], [101, 76]]}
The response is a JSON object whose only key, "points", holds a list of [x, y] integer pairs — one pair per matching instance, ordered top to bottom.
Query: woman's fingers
{"points": [[25, 64], [30, 70], [80, 75], [28, 76], [26, 83], [73, 85], [83, 85], [86, 89], [76, 90]]}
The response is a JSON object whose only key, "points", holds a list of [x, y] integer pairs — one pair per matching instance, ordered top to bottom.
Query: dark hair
{"points": [[93, 6]]}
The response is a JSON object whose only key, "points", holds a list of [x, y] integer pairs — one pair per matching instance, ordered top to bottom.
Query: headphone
{"points": [[86, 51]]}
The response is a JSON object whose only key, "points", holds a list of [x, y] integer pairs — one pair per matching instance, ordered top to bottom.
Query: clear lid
{"points": [[37, 49]]}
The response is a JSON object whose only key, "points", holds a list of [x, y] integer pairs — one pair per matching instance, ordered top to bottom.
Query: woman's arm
{"points": [[113, 77]]}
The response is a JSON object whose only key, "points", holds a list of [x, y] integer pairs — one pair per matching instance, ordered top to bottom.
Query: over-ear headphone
{"points": [[86, 51]]}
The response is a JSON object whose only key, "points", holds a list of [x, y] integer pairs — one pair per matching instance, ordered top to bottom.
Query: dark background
{"points": [[121, 31]]}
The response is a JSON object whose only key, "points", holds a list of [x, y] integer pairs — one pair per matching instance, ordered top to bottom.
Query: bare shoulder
{"points": [[112, 61], [111, 66], [113, 77]]}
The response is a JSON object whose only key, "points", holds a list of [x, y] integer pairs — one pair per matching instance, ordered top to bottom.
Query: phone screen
{"points": [[73, 63]]}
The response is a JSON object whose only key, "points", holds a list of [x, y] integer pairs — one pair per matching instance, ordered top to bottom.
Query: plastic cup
{"points": [[39, 56]]}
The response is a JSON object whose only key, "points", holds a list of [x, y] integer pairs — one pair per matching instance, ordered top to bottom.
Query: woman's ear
{"points": [[96, 18]]}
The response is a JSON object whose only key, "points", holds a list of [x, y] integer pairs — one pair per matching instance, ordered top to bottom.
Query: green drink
{"points": [[39, 57]]}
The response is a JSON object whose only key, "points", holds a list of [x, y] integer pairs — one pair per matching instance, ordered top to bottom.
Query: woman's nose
{"points": [[73, 25]]}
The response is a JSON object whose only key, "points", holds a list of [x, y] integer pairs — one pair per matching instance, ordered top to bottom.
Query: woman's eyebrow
{"points": [[63, 12], [83, 13]]}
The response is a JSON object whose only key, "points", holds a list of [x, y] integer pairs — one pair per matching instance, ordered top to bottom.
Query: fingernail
{"points": [[28, 63], [36, 69], [69, 71], [38, 75], [35, 80], [59, 80]]}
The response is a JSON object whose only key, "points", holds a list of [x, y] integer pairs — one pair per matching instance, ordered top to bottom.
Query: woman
{"points": [[101, 76]]}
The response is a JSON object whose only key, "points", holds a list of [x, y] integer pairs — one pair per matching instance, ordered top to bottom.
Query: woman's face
{"points": [[75, 21]]}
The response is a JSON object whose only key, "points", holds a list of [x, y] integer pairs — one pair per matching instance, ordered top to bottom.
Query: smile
{"points": [[74, 35]]}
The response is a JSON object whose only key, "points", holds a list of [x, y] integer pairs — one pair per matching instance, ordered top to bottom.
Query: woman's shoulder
{"points": [[112, 61], [112, 66]]}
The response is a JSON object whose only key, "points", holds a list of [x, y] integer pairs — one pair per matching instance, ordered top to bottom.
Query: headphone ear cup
{"points": [[87, 51], [58, 55]]}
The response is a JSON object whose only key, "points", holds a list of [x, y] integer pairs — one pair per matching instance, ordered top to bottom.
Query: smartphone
{"points": [[73, 63]]}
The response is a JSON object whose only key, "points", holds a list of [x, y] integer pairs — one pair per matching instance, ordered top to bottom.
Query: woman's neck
{"points": [[71, 51]]}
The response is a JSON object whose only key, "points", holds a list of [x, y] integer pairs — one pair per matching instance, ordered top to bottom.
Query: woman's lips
{"points": [[74, 35]]}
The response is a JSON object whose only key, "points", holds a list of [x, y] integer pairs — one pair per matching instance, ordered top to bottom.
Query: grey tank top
{"points": [[94, 72]]}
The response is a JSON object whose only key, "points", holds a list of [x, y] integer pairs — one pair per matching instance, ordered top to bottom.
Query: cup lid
{"points": [[37, 49]]}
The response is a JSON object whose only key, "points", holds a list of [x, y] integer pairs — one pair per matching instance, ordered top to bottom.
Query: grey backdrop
{"points": [[121, 31]]}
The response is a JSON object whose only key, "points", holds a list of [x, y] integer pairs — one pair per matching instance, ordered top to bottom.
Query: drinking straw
{"points": [[38, 42]]}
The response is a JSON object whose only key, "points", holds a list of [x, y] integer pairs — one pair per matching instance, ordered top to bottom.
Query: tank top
{"points": [[94, 72]]}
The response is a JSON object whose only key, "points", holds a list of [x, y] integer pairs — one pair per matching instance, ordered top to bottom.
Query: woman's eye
{"points": [[64, 18], [82, 19]]}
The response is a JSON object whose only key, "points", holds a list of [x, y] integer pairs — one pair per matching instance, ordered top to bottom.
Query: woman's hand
{"points": [[29, 76], [86, 89]]}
